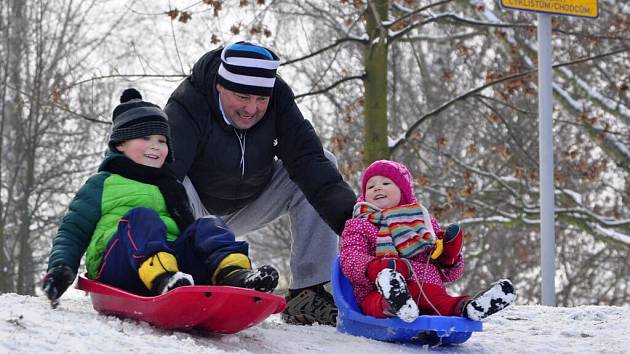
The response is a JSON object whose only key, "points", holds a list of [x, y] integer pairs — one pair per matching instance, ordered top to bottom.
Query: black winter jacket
{"points": [[207, 149]]}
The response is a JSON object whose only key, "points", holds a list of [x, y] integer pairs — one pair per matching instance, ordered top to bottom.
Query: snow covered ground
{"points": [[28, 325]]}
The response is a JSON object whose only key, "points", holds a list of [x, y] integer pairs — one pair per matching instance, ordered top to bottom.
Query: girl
{"points": [[397, 257]]}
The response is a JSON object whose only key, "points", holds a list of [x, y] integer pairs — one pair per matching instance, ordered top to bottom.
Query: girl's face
{"points": [[148, 150], [382, 192]]}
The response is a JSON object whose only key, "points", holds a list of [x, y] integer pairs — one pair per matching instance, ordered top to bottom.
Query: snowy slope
{"points": [[28, 325]]}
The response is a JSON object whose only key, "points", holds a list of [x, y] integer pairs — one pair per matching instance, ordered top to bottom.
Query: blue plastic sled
{"points": [[431, 330]]}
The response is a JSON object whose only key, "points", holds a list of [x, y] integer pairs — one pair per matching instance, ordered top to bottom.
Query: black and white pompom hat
{"points": [[134, 118]]}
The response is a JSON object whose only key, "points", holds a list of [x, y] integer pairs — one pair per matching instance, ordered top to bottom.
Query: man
{"points": [[230, 119]]}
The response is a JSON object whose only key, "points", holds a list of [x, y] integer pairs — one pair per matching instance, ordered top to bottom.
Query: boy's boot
{"points": [[236, 270], [160, 274], [168, 281], [393, 287], [490, 301], [310, 305]]}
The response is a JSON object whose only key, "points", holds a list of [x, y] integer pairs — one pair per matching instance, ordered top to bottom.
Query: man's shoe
{"points": [[263, 279], [490, 301], [311, 305]]}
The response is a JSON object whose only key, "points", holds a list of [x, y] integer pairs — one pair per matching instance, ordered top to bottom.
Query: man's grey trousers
{"points": [[314, 244]]}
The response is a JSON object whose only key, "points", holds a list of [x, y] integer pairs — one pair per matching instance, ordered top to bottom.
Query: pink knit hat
{"points": [[397, 172]]}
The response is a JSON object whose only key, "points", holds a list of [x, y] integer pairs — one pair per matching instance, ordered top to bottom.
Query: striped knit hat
{"points": [[248, 68], [134, 118]]}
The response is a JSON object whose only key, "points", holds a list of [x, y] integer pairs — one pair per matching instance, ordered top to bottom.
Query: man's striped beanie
{"points": [[248, 68], [134, 118]]}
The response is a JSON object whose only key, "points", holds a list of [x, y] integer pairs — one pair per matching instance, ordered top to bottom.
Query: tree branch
{"points": [[415, 12], [447, 16], [450, 17], [409, 28], [328, 47], [179, 58], [111, 76], [362, 77], [464, 96]]}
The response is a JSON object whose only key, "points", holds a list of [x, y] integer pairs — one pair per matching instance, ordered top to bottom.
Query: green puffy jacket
{"points": [[93, 214]]}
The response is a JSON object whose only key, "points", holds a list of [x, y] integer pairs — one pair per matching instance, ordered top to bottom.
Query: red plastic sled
{"points": [[218, 309]]}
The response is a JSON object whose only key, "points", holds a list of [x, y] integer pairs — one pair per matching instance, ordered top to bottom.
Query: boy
{"points": [[134, 220]]}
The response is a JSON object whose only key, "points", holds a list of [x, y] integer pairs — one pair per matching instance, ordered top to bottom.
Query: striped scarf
{"points": [[404, 231]]}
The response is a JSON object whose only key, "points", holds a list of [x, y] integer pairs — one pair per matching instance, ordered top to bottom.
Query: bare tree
{"points": [[47, 144]]}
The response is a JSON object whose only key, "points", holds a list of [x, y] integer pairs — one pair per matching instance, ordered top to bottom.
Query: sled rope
{"points": [[422, 291]]}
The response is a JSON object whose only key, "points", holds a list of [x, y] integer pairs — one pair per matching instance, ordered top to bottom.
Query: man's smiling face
{"points": [[243, 110]]}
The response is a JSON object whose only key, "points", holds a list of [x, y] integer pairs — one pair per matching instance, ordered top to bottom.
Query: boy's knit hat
{"points": [[248, 68], [134, 118], [397, 172]]}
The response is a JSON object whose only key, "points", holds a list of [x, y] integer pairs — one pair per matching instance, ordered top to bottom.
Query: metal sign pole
{"points": [[579, 8], [545, 110]]}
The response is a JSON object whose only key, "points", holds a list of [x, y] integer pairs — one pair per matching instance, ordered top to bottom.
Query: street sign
{"points": [[580, 8]]}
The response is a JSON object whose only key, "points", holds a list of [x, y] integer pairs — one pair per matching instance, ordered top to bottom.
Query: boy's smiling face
{"points": [[148, 150], [382, 192]]}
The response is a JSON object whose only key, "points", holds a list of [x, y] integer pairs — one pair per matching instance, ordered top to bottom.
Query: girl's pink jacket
{"points": [[358, 246]]}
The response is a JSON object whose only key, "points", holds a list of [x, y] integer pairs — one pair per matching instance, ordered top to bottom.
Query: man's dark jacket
{"points": [[207, 149]]}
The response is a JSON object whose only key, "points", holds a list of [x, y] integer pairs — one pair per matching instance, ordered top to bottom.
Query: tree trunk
{"points": [[4, 70], [375, 84], [12, 111]]}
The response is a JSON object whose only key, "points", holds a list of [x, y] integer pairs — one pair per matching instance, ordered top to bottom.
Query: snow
{"points": [[489, 15], [610, 104], [623, 148], [577, 197], [613, 234], [178, 278], [29, 325]]}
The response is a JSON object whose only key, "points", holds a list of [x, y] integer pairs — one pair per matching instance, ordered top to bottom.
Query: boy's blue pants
{"points": [[141, 234]]}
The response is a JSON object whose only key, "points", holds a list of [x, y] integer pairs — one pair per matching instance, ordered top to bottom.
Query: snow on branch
{"points": [[410, 13], [440, 38], [478, 89], [612, 106], [613, 147], [491, 175], [490, 219], [601, 220], [613, 234]]}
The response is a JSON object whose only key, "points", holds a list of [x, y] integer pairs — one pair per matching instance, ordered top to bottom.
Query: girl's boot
{"points": [[393, 287], [490, 301]]}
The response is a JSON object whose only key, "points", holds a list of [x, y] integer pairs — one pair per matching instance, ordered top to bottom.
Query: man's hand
{"points": [[56, 282]]}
